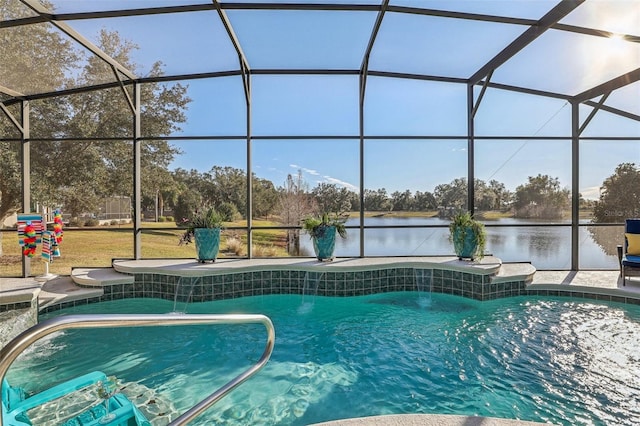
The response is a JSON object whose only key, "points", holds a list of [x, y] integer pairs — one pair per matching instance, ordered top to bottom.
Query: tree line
{"points": [[225, 188]]}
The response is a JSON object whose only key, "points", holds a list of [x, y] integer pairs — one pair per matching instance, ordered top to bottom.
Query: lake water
{"points": [[544, 247]]}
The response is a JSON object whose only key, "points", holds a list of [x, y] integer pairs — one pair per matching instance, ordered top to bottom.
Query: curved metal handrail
{"points": [[15, 347]]}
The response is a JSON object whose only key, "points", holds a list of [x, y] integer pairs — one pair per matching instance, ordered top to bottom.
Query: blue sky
{"points": [[328, 105]]}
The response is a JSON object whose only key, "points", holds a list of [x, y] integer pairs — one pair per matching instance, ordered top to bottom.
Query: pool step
{"points": [[514, 272], [99, 277], [83, 283], [63, 289]]}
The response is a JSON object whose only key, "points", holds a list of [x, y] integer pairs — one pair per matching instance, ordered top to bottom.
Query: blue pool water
{"points": [[542, 359]]}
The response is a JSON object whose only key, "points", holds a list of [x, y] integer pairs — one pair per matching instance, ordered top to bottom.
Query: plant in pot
{"points": [[203, 228], [322, 230], [468, 236]]}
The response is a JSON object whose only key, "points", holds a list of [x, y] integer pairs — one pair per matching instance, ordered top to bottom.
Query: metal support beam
{"points": [[561, 10], [232, 36], [364, 67], [364, 70], [246, 82], [609, 86], [484, 89], [10, 92], [132, 107], [616, 111], [593, 113], [12, 118], [361, 158], [249, 170], [26, 174], [137, 176], [575, 185], [471, 204]]}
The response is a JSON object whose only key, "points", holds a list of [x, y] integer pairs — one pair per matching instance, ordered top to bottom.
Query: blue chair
{"points": [[629, 253]]}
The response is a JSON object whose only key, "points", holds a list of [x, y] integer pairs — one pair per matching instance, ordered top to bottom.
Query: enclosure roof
{"points": [[578, 50]]}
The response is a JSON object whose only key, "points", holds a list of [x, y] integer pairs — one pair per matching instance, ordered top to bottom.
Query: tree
{"points": [[46, 54], [49, 57], [62, 169], [226, 185], [503, 195], [619, 195], [493, 196], [265, 197], [451, 197], [541, 197], [332, 199], [619, 199], [377, 200], [402, 201], [425, 201], [189, 202], [294, 204]]}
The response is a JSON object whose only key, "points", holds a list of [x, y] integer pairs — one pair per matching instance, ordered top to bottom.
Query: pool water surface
{"points": [[559, 360]]}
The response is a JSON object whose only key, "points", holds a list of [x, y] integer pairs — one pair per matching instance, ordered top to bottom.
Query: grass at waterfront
{"points": [[97, 247]]}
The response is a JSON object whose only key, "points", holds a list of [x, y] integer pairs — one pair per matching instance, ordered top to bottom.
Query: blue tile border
{"points": [[327, 283], [14, 306]]}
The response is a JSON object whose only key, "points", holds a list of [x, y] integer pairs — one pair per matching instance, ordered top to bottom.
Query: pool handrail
{"points": [[15, 347]]}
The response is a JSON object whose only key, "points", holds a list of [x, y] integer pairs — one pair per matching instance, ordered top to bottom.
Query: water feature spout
{"points": [[424, 286], [309, 290], [184, 293]]}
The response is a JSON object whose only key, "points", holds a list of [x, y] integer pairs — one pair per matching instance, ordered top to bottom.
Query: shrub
{"points": [[228, 211], [170, 218], [162, 219], [76, 222], [91, 222], [114, 222], [234, 245], [265, 251]]}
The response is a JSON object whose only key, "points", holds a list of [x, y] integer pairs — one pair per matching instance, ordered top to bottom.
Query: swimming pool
{"points": [[543, 359]]}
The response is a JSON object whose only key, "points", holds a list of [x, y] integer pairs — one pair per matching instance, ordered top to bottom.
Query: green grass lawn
{"points": [[96, 247]]}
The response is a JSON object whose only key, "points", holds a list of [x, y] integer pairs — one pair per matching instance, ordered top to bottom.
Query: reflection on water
{"points": [[545, 247]]}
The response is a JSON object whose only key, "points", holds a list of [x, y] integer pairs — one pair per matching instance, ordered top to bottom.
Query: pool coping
{"points": [[488, 265], [427, 420]]}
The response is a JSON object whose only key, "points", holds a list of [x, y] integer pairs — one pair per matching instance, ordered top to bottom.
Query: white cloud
{"points": [[304, 169], [325, 178], [339, 182], [591, 193]]}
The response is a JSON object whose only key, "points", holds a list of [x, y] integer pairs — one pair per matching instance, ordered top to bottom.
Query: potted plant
{"points": [[204, 228], [322, 230], [468, 236]]}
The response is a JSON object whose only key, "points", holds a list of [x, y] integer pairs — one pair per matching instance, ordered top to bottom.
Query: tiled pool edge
{"points": [[347, 277], [231, 284], [155, 290], [24, 298]]}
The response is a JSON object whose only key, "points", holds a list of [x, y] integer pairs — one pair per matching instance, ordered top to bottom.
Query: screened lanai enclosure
{"points": [[129, 115]]}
